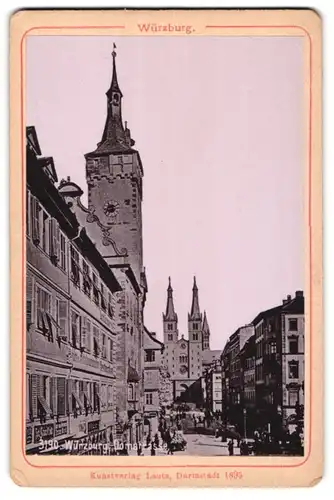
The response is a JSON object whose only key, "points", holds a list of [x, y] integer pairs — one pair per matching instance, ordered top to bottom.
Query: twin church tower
{"points": [[184, 357]]}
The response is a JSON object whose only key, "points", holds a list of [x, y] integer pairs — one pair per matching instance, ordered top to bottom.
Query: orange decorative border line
{"points": [[309, 224]]}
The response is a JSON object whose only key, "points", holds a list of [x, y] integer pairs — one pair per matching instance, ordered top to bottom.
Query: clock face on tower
{"points": [[111, 208], [183, 369]]}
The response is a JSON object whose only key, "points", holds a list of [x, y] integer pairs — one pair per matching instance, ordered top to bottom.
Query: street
{"points": [[198, 445]]}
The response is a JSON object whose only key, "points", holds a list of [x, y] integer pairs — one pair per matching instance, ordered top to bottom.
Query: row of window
{"points": [[45, 232], [85, 278], [52, 321], [194, 336], [249, 363], [249, 395], [50, 397]]}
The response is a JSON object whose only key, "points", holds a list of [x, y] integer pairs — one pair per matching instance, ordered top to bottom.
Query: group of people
{"points": [[168, 439]]}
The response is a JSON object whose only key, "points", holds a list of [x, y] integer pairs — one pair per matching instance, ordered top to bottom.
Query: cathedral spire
{"points": [[170, 311], [195, 311], [205, 327]]}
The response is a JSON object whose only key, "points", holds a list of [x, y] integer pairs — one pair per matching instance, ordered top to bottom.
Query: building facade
{"points": [[113, 219], [71, 322], [153, 349], [184, 357], [293, 370], [232, 378], [263, 380], [213, 388], [248, 397]]}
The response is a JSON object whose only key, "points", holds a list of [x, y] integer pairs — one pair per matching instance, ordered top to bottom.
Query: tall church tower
{"points": [[114, 175], [170, 327], [205, 334], [195, 336]]}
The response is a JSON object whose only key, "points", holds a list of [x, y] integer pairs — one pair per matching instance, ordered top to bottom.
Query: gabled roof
{"points": [[32, 140], [47, 164], [267, 314], [160, 345]]}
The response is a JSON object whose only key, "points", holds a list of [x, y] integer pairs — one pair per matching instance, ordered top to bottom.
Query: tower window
{"points": [[170, 326], [195, 326], [170, 336], [195, 336]]}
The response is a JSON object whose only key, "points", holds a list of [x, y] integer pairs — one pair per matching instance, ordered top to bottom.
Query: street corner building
{"points": [[85, 295], [263, 372]]}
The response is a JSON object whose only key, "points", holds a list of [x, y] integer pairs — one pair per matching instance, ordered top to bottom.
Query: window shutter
{"points": [[27, 213], [35, 221], [53, 227], [57, 241], [29, 299], [63, 318], [83, 333], [88, 336], [34, 393], [69, 394], [53, 395], [61, 396], [28, 397]]}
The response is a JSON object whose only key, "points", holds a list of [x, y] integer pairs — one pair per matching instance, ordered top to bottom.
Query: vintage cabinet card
{"points": [[166, 248]]}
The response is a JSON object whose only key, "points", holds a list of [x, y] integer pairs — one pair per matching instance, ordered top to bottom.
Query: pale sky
{"points": [[218, 122]]}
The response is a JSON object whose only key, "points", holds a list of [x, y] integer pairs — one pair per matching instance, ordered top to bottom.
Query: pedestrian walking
{"points": [[156, 440], [230, 448], [152, 449]]}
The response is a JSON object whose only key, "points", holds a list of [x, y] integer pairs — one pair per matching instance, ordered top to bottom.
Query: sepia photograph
{"points": [[165, 245]]}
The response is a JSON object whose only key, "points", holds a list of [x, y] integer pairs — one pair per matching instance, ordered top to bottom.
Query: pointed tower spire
{"points": [[114, 87], [116, 138], [170, 311], [195, 311], [205, 327], [205, 333]]}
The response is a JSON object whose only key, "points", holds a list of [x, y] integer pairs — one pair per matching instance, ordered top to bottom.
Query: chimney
{"points": [[68, 179], [299, 293], [288, 298]]}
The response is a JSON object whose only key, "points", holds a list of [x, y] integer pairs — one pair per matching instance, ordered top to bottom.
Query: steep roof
{"points": [[170, 311], [195, 313]]}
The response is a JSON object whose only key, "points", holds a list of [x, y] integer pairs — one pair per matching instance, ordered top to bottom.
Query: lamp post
{"points": [[245, 421]]}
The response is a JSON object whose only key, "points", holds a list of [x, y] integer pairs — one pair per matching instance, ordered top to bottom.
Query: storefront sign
{"points": [[93, 426], [61, 428], [43, 432], [28, 435]]}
